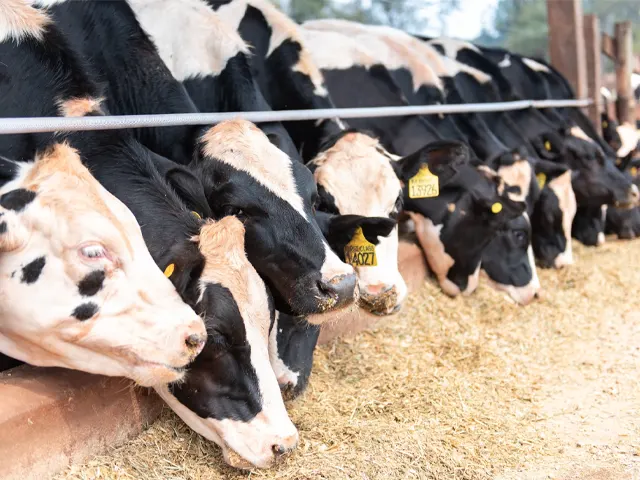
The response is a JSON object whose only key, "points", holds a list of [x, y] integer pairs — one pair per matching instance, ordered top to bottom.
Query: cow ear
{"points": [[441, 157], [550, 170], [185, 183], [323, 219], [343, 227], [13, 233], [183, 266]]}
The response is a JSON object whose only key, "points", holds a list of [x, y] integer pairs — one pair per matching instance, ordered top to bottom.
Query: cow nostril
{"points": [[195, 341], [278, 450]]}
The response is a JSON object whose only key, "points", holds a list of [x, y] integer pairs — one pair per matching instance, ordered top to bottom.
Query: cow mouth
{"points": [[382, 304]]}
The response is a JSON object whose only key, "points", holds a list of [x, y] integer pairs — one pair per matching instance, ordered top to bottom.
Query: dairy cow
{"points": [[69, 244], [304, 275]]}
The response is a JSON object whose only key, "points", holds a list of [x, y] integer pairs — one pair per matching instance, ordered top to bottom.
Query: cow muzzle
{"points": [[632, 199], [379, 299]]}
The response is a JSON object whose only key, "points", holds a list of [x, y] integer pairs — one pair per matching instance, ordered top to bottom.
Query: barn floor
{"points": [[473, 388]]}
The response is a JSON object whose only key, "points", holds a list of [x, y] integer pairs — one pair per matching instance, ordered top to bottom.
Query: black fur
{"points": [[17, 199], [32, 270], [92, 283], [85, 311]]}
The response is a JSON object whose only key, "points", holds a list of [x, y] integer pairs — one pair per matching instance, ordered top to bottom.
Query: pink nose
{"points": [[376, 289]]}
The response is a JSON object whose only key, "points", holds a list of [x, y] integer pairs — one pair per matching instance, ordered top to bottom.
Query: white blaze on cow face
{"points": [[19, 20], [282, 29], [190, 37], [537, 66], [80, 107], [245, 147], [357, 172], [518, 175], [563, 189], [440, 262], [79, 287], [244, 443]]}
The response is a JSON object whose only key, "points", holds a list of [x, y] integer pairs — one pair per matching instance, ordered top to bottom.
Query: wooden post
{"points": [[566, 42], [624, 66], [594, 70]]}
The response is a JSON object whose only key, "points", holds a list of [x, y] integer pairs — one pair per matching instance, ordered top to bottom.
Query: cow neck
{"points": [[138, 82]]}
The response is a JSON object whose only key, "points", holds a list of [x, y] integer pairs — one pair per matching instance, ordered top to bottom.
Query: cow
{"points": [[337, 156], [68, 243], [304, 275], [230, 384], [230, 394]]}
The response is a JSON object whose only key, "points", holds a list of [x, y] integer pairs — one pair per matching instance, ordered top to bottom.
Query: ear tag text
{"points": [[424, 184], [359, 252], [169, 270]]}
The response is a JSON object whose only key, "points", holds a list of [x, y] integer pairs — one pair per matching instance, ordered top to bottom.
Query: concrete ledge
{"points": [[413, 268], [52, 417]]}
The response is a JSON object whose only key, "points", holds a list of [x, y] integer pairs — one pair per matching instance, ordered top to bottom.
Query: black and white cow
{"points": [[338, 156], [68, 244], [206, 261], [304, 275]]}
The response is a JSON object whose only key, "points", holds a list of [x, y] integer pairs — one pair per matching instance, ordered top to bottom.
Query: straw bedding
{"points": [[467, 388]]}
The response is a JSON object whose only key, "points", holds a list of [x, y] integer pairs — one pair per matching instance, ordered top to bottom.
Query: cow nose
{"points": [[341, 288], [377, 289], [195, 342], [285, 445]]}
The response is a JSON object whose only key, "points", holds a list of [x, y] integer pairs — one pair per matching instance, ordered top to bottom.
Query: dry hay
{"points": [[450, 388]]}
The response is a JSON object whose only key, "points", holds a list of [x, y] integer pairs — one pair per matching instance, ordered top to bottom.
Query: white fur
{"points": [[19, 20], [190, 37], [452, 46], [505, 62], [537, 66], [579, 133], [629, 137], [563, 189], [141, 325], [284, 374]]}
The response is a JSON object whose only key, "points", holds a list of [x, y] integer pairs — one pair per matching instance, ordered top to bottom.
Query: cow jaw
{"points": [[111, 313]]}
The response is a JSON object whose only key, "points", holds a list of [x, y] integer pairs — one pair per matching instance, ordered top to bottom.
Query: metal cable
{"points": [[66, 124]]}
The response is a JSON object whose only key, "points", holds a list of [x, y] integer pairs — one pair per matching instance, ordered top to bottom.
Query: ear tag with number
{"points": [[547, 145], [542, 180], [424, 184], [496, 208], [359, 252], [169, 270]]}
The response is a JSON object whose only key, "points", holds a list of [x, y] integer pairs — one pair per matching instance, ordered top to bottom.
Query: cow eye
{"points": [[520, 236], [93, 251]]}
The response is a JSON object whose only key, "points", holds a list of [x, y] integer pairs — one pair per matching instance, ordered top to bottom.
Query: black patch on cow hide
{"points": [[17, 199], [3, 227], [31, 271], [92, 283], [85, 311]]}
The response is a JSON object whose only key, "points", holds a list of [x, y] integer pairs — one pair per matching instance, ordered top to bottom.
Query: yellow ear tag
{"points": [[605, 124], [547, 145], [618, 161], [634, 171], [542, 180], [424, 184], [496, 208], [196, 214], [359, 252], [169, 270]]}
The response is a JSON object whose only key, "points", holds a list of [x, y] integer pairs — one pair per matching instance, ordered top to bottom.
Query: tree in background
{"points": [[409, 15], [521, 25]]}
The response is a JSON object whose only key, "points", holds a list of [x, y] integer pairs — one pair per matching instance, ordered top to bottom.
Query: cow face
{"points": [[247, 176], [355, 177], [596, 180], [553, 216], [454, 228], [508, 261], [80, 289], [292, 342], [230, 394]]}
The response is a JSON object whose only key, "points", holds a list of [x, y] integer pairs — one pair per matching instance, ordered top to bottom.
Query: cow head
{"points": [[247, 176], [354, 176], [596, 180], [553, 215], [455, 227], [508, 261], [80, 289], [292, 342], [230, 394]]}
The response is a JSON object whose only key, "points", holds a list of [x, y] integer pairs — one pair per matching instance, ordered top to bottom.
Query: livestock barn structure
{"points": [[194, 194]]}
